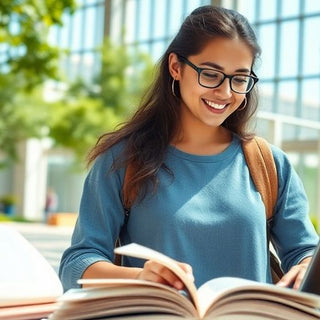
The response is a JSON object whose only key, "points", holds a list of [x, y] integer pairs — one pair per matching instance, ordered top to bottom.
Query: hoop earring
{"points": [[172, 87], [245, 104]]}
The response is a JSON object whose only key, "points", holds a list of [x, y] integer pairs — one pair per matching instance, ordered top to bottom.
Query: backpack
{"points": [[263, 172]]}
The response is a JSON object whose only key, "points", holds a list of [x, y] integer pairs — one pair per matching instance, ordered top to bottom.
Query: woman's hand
{"points": [[153, 271], [295, 275]]}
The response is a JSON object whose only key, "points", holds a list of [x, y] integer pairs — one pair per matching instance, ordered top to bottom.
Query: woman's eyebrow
{"points": [[216, 66]]}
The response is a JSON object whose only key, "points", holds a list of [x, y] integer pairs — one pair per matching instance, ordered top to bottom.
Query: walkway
{"points": [[51, 241]]}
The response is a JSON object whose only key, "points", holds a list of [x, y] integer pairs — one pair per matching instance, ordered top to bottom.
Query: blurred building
{"points": [[289, 71]]}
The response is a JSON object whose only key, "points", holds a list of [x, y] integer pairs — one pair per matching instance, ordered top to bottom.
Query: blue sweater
{"points": [[209, 214]]}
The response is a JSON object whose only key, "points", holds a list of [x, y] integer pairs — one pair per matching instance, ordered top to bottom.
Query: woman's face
{"points": [[206, 106]]}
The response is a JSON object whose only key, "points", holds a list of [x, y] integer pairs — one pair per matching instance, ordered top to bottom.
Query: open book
{"points": [[29, 286], [220, 298]]}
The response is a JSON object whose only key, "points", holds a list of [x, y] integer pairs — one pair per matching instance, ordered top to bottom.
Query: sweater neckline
{"points": [[225, 154]]}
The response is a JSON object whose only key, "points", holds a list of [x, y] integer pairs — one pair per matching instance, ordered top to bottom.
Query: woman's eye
{"points": [[211, 75], [240, 80]]}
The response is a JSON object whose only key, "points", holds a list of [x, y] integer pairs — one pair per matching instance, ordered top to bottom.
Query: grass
{"points": [[14, 218], [314, 221]]}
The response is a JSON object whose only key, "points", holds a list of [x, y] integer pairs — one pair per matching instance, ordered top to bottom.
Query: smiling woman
{"points": [[227, 96], [195, 199]]}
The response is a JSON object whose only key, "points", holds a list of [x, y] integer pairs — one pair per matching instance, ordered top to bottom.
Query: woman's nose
{"points": [[224, 88]]}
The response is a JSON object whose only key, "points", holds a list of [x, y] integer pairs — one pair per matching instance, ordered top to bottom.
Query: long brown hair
{"points": [[151, 129]]}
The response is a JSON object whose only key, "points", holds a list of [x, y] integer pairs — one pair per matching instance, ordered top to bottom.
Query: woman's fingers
{"points": [[188, 270], [153, 271], [294, 276]]}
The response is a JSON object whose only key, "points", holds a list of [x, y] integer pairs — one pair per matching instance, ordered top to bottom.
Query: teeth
{"points": [[214, 105]]}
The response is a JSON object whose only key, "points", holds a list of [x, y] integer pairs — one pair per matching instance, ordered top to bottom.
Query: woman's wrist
{"points": [[107, 270]]}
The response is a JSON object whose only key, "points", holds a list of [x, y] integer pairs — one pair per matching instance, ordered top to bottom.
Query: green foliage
{"points": [[24, 27], [26, 61], [124, 77], [88, 110], [21, 115], [76, 124], [309, 176], [8, 199], [14, 218], [314, 220]]}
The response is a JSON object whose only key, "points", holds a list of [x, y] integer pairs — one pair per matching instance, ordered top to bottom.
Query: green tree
{"points": [[24, 28], [26, 61], [125, 74], [88, 110], [21, 115], [76, 124]]}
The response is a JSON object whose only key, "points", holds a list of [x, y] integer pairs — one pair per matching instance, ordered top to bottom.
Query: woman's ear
{"points": [[174, 66]]}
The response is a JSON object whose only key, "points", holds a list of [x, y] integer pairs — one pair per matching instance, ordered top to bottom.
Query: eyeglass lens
{"points": [[213, 78]]}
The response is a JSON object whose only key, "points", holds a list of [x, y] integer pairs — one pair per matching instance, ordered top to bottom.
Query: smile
{"points": [[214, 105]]}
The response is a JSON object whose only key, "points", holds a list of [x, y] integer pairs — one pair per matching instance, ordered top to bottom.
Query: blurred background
{"points": [[72, 70]]}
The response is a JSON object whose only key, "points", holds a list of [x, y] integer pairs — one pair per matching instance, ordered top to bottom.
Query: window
{"points": [[150, 24], [287, 32], [82, 33]]}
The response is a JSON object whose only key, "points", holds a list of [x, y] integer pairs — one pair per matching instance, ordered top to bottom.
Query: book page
{"points": [[138, 251], [26, 277], [227, 290], [115, 297], [177, 297], [31, 311]]}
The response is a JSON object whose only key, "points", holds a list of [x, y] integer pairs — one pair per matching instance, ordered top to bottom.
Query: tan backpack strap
{"points": [[263, 171]]}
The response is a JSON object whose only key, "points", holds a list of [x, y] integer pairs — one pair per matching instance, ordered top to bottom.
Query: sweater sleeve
{"points": [[99, 222], [292, 231]]}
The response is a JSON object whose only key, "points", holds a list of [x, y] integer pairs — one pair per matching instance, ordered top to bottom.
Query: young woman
{"points": [[195, 199]]}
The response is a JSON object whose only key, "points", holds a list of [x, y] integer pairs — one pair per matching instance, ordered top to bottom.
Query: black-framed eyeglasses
{"points": [[211, 78]]}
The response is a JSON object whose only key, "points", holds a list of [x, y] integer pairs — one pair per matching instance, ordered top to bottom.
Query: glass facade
{"points": [[145, 24], [287, 31], [82, 33], [289, 71]]}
